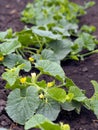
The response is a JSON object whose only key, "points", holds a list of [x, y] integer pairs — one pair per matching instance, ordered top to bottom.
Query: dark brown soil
{"points": [[81, 72]]}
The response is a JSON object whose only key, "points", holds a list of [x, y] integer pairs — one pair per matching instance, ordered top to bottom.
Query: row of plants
{"points": [[54, 36]]}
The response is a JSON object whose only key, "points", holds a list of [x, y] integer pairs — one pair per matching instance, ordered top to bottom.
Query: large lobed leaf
{"points": [[45, 33], [9, 46], [61, 48], [48, 54], [13, 60], [51, 68], [21, 107], [49, 109], [42, 122]]}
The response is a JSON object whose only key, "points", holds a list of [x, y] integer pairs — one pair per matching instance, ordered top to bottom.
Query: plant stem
{"points": [[41, 44], [30, 48], [29, 51], [89, 53], [38, 76], [61, 85]]}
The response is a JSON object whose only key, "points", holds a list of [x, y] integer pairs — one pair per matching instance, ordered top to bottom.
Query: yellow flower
{"points": [[1, 58], [31, 59], [23, 80], [50, 84], [41, 96], [69, 97], [65, 126]]}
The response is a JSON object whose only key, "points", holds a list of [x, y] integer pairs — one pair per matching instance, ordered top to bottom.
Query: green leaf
{"points": [[89, 4], [52, 12], [28, 14], [66, 28], [88, 29], [63, 31], [45, 33], [5, 34], [2, 35], [25, 37], [88, 41], [78, 45], [9, 46], [61, 48], [49, 55], [13, 60], [27, 65], [51, 68], [12, 74], [69, 82], [18, 84], [42, 84], [95, 84], [15, 85], [78, 93], [57, 94], [69, 97], [92, 103], [73, 105], [68, 106], [21, 107], [95, 108], [49, 109], [35, 121], [41, 122], [50, 126]]}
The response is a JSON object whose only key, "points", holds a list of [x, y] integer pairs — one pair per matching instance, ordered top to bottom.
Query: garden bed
{"points": [[81, 72]]}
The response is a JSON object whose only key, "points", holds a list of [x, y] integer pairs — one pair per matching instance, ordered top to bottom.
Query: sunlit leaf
{"points": [[51, 68], [57, 94]]}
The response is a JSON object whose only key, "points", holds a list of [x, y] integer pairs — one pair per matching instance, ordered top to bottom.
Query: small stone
{"points": [[7, 6], [14, 11], [96, 62], [84, 69], [90, 76], [2, 102], [4, 123]]}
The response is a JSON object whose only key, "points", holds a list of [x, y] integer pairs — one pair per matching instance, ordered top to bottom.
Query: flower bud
{"points": [[1, 58], [33, 75], [41, 96]]}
